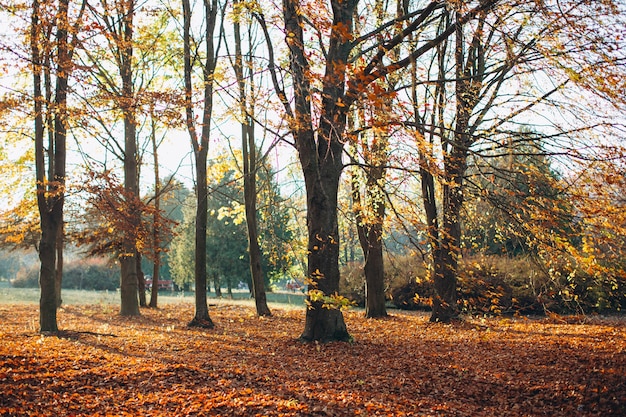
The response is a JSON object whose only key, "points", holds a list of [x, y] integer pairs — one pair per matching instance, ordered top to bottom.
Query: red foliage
{"points": [[153, 365]]}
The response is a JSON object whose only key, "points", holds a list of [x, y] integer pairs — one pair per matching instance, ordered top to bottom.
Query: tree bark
{"points": [[469, 76], [322, 183], [156, 236], [217, 285]]}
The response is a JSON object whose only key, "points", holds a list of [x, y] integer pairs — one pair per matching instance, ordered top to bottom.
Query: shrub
{"points": [[399, 270], [83, 274], [90, 274], [26, 277], [352, 283], [496, 285], [483, 289], [414, 295]]}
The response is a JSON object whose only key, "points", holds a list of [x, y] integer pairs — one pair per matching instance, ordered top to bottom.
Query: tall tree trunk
{"points": [[469, 75], [200, 147], [248, 147], [321, 160], [50, 187], [250, 194], [370, 230], [128, 258], [154, 294], [201, 317]]}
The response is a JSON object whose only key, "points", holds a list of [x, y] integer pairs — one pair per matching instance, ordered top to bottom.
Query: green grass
{"points": [[10, 295]]}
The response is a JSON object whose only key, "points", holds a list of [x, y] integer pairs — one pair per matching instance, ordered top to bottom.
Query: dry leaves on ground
{"points": [[102, 364]]}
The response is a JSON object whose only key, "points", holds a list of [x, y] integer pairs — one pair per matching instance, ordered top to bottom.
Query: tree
{"points": [[113, 26], [247, 93], [465, 110], [51, 116], [375, 122], [200, 140], [320, 140], [111, 214], [227, 242]]}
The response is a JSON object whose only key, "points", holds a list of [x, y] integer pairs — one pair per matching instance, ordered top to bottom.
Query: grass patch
{"points": [[10, 295]]}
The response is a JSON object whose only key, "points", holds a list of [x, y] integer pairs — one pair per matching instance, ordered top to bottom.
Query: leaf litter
{"points": [[103, 364]]}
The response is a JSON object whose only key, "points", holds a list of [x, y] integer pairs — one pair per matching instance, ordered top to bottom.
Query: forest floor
{"points": [[102, 364]]}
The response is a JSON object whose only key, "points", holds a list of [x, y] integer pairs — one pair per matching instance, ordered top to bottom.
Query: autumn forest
{"points": [[440, 183]]}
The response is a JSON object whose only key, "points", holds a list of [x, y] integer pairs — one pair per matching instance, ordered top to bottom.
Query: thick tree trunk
{"points": [[320, 155], [446, 254], [47, 273], [444, 278], [128, 286], [323, 324]]}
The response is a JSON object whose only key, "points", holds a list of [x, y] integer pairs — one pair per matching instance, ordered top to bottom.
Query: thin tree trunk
{"points": [[248, 146], [200, 147], [370, 239], [58, 278], [141, 281], [217, 285], [154, 294]]}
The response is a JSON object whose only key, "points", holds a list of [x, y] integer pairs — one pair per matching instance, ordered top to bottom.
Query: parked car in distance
{"points": [[164, 284]]}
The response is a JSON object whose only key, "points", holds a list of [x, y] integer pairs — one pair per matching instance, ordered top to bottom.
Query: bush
{"points": [[399, 270], [83, 274], [91, 274], [26, 277], [352, 283], [495, 285], [483, 289], [414, 295]]}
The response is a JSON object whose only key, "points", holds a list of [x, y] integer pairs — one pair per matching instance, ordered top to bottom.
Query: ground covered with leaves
{"points": [[102, 364]]}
